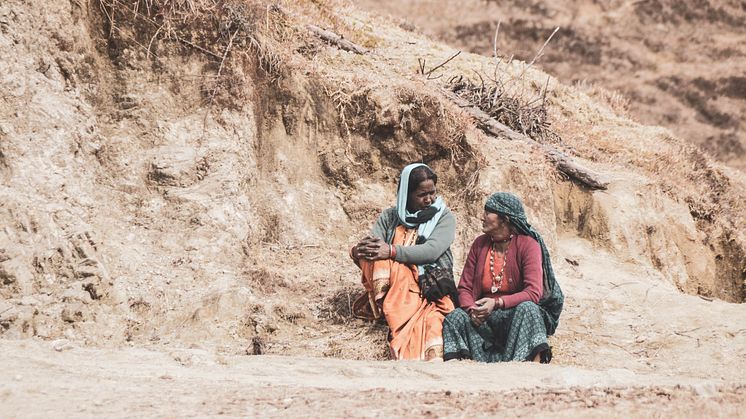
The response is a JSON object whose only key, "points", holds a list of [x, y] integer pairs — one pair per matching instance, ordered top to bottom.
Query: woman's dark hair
{"points": [[418, 175]]}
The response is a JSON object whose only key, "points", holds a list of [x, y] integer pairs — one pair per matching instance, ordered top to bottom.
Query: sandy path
{"points": [[39, 381]]}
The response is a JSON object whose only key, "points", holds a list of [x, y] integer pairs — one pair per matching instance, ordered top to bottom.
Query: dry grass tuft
{"points": [[233, 35], [617, 101], [337, 308], [364, 342]]}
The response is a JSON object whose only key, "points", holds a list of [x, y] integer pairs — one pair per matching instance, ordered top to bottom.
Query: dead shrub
{"points": [[509, 105], [337, 308], [368, 344]]}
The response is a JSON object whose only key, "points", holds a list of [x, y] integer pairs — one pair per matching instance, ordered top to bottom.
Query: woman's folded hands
{"points": [[371, 248], [481, 310]]}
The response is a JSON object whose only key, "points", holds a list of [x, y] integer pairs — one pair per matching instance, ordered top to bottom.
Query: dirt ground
{"points": [[180, 184], [627, 348], [40, 381]]}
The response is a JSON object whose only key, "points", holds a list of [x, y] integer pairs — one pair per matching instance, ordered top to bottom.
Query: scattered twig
{"points": [[150, 44], [198, 48], [541, 51], [222, 62], [429, 73], [217, 82], [544, 95], [302, 246], [572, 262], [621, 285], [646, 294], [706, 298], [349, 304], [684, 333], [623, 348], [656, 351]]}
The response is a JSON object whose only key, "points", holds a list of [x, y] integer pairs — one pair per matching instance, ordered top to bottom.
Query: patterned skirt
{"points": [[515, 334]]}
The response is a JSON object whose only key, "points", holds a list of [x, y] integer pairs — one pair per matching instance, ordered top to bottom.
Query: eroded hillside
{"points": [[192, 174]]}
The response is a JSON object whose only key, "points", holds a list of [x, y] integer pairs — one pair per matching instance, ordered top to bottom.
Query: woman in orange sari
{"points": [[415, 234]]}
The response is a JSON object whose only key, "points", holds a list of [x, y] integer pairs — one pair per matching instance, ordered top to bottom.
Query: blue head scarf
{"points": [[406, 218], [423, 229]]}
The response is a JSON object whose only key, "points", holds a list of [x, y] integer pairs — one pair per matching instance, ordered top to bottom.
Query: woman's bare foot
{"points": [[543, 357]]}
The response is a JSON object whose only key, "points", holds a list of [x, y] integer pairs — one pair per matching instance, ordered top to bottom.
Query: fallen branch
{"points": [[327, 36], [337, 40], [562, 161]]}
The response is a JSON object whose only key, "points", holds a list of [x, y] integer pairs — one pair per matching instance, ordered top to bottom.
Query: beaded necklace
{"points": [[497, 280]]}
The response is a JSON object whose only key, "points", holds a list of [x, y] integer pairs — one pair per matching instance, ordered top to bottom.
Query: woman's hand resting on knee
{"points": [[371, 248]]}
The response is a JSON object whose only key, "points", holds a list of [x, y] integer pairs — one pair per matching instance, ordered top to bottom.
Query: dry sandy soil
{"points": [[180, 183], [659, 357]]}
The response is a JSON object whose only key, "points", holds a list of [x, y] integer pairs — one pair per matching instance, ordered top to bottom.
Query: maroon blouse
{"points": [[523, 267]]}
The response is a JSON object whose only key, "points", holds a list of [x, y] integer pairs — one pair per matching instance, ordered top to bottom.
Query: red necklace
{"points": [[497, 280]]}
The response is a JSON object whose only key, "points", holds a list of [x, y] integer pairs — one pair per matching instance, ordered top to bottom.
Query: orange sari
{"points": [[416, 325]]}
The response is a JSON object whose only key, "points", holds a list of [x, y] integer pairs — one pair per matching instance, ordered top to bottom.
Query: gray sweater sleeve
{"points": [[385, 224], [438, 242]]}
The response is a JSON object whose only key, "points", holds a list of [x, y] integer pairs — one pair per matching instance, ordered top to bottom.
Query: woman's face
{"points": [[422, 197], [495, 225]]}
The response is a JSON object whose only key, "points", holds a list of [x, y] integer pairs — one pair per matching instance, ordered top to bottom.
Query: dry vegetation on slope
{"points": [[675, 64], [190, 175]]}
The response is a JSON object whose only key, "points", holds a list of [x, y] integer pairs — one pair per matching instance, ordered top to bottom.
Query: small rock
{"points": [[85, 271], [76, 293], [29, 301], [7, 310], [72, 314], [42, 331], [70, 334], [60, 345], [257, 346], [184, 359], [567, 377], [705, 389]]}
